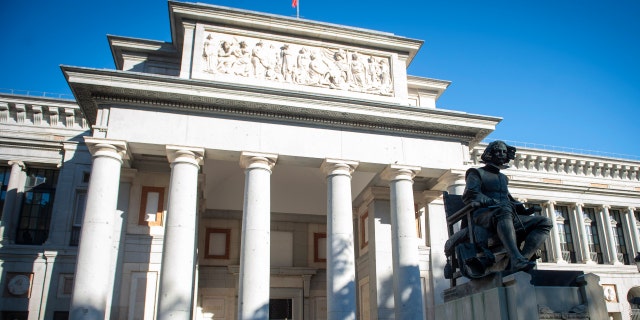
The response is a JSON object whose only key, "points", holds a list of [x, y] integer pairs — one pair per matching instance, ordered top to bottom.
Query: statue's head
{"points": [[498, 153]]}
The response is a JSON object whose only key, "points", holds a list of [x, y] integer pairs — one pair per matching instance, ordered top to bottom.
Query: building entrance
{"points": [[280, 309]]}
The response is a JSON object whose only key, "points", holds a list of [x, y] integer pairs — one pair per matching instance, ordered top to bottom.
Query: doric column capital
{"points": [[107, 148], [181, 154], [253, 160], [17, 163], [338, 167], [399, 172], [551, 202], [579, 205], [606, 207], [631, 209]]}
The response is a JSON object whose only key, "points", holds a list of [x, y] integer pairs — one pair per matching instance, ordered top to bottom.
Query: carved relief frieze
{"points": [[238, 58]]}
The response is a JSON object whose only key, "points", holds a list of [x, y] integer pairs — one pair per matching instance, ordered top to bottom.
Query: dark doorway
{"points": [[280, 309]]}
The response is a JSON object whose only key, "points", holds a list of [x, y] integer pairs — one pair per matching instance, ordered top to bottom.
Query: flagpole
{"points": [[298, 10]]}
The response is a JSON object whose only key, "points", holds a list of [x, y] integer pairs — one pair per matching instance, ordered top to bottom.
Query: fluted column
{"points": [[15, 187], [555, 233], [584, 239], [611, 240], [404, 243], [255, 259], [341, 272], [92, 285], [175, 298]]}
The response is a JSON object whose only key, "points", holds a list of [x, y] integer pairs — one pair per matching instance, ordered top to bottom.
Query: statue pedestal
{"points": [[538, 294]]}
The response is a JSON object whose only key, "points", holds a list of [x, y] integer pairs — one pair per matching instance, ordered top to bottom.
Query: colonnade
{"points": [[605, 229], [175, 298]]}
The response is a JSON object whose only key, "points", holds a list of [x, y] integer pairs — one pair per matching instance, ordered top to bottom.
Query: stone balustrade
{"points": [[40, 113], [553, 162]]}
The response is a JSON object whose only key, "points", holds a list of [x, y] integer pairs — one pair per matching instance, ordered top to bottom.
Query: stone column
{"points": [[12, 199], [626, 220], [633, 225], [555, 233], [584, 239], [611, 241], [255, 254], [341, 272], [406, 272], [91, 287], [175, 299]]}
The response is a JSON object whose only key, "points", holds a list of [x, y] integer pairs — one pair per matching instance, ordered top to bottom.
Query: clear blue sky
{"points": [[561, 73]]}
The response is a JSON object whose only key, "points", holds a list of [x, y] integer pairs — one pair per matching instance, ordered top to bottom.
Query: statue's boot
{"points": [[507, 235], [536, 237], [533, 242]]}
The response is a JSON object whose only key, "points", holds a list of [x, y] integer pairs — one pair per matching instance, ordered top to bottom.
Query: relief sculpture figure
{"points": [[335, 68]]}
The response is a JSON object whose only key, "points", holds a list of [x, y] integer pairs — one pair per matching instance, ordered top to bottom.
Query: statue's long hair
{"points": [[488, 151]]}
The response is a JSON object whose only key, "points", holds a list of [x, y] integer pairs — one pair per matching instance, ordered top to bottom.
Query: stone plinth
{"points": [[539, 294]]}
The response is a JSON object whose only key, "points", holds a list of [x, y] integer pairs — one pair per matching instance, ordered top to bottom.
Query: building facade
{"points": [[264, 167]]}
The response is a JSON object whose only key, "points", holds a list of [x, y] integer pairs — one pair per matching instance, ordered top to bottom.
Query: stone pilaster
{"points": [[15, 188], [255, 259], [341, 272], [406, 272], [92, 285], [175, 299]]}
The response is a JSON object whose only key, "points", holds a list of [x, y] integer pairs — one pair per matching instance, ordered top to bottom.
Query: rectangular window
{"points": [[5, 173], [37, 204], [151, 206], [78, 217], [564, 230], [592, 235], [618, 235], [217, 243], [15, 315]]}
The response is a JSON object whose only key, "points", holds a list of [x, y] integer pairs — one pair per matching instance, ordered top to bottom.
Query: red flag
{"points": [[294, 3]]}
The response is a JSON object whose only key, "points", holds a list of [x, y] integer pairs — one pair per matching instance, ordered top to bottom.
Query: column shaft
{"points": [[12, 199], [634, 230], [555, 233], [611, 240], [584, 248], [255, 254], [406, 272], [341, 286], [91, 287], [175, 299]]}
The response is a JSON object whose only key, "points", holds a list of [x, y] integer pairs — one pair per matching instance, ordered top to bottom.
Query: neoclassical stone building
{"points": [[260, 167]]}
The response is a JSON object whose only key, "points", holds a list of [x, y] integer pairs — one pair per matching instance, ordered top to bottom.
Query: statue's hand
{"points": [[487, 202], [483, 203]]}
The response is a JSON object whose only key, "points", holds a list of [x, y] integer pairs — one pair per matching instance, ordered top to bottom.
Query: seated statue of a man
{"points": [[497, 212]]}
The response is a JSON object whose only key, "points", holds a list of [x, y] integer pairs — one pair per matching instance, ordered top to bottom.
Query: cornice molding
{"points": [[93, 87]]}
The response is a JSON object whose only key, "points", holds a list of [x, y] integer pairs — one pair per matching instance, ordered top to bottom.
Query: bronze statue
{"points": [[495, 212]]}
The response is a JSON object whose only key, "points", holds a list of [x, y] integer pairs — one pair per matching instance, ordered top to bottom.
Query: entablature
{"points": [[95, 87]]}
